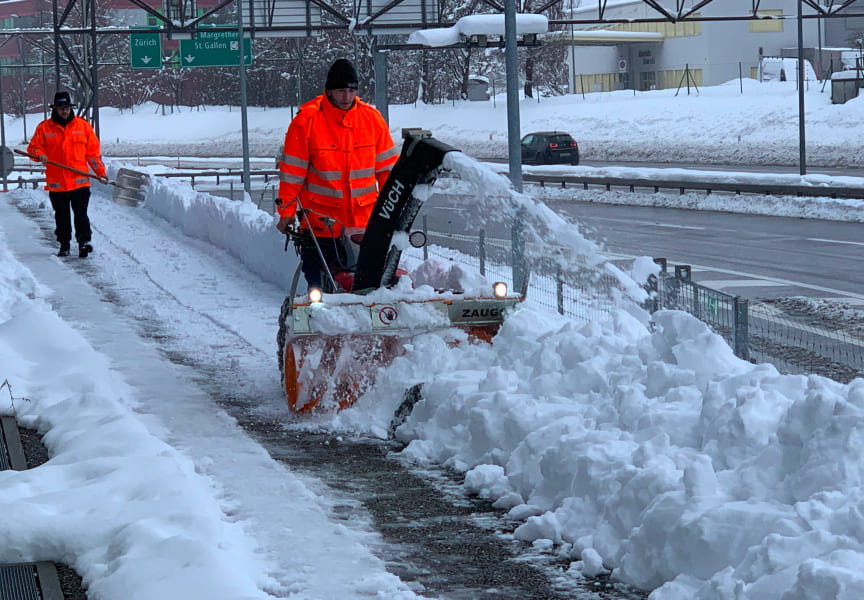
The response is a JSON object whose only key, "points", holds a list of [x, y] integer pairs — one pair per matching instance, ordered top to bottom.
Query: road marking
{"points": [[641, 222], [671, 226], [835, 241], [779, 281], [725, 283]]}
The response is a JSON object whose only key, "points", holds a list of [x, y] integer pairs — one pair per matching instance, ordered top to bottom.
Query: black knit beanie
{"points": [[341, 75]]}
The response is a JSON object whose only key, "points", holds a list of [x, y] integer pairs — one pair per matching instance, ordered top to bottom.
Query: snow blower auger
{"points": [[332, 342]]}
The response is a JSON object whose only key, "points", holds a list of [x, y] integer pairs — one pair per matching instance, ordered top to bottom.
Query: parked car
{"points": [[549, 147]]}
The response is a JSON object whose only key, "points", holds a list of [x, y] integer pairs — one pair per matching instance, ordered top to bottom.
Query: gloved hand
{"points": [[43, 158], [103, 180], [285, 224]]}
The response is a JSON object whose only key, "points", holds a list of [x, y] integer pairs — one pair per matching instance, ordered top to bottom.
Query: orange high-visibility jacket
{"points": [[75, 145], [334, 161]]}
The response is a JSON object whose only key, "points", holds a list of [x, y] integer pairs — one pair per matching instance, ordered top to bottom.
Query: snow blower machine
{"points": [[332, 341]]}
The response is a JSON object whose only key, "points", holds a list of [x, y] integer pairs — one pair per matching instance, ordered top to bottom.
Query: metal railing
{"points": [[701, 185], [574, 288], [727, 315], [758, 331], [793, 340]]}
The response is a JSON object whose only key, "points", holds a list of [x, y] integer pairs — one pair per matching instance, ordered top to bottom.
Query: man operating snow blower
{"points": [[337, 155]]}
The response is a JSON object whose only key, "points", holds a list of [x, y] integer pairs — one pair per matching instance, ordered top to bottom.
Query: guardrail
{"points": [[218, 174], [585, 181], [682, 186]]}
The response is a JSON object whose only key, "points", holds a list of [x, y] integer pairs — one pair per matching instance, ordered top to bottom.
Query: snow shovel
{"points": [[119, 198]]}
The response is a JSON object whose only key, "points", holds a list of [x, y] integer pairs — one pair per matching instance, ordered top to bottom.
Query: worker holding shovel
{"points": [[68, 147]]}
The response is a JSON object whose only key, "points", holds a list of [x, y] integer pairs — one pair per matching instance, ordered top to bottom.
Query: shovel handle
{"points": [[56, 164], [68, 168]]}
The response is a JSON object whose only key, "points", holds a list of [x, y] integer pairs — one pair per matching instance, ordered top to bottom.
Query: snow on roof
{"points": [[477, 25], [844, 75]]}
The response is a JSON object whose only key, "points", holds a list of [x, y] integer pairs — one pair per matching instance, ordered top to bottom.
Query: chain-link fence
{"points": [[576, 289], [783, 333], [790, 337]]}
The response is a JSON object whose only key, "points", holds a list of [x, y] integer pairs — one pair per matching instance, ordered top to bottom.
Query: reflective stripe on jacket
{"points": [[74, 145], [335, 161]]}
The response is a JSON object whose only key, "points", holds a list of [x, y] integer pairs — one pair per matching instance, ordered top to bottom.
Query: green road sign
{"points": [[214, 49], [145, 50]]}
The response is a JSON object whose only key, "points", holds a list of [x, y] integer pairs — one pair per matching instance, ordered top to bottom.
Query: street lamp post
{"points": [[512, 68], [244, 125], [802, 153]]}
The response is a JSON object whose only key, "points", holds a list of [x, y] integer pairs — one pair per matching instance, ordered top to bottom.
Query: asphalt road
{"points": [[749, 255]]}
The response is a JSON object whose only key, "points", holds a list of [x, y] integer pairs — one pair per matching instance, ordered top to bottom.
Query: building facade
{"points": [[662, 55]]}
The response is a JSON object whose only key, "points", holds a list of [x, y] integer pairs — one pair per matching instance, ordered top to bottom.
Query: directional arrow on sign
{"points": [[215, 48], [145, 50]]}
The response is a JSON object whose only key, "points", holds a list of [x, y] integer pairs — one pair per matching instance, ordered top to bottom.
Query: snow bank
{"points": [[241, 228], [683, 467], [115, 501]]}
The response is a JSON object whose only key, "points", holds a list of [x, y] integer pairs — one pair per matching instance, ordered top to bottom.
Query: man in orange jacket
{"points": [[69, 140], [337, 154]]}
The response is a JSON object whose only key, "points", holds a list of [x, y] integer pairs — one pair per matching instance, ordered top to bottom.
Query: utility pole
{"points": [[512, 67], [244, 125], [802, 150]]}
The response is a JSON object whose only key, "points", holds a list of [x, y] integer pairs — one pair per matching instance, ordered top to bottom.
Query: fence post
{"points": [[426, 233], [517, 239], [482, 251], [559, 289], [652, 304], [741, 329]]}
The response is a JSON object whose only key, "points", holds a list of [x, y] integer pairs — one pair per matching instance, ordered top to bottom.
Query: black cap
{"points": [[341, 75], [62, 99]]}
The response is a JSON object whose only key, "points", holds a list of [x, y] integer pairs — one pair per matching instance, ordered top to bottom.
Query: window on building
{"points": [[767, 25]]}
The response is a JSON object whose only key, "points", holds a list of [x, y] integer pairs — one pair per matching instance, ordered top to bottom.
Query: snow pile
{"points": [[640, 447], [656, 455], [680, 465], [152, 491], [115, 501]]}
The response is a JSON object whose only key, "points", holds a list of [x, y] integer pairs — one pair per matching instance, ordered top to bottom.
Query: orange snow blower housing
{"points": [[331, 348]]}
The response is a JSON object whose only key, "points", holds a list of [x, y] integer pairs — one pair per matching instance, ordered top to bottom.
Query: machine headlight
{"points": [[499, 289], [315, 295]]}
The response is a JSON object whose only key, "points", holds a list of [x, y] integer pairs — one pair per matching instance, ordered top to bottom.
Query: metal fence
{"points": [[575, 289], [727, 315], [794, 341]]}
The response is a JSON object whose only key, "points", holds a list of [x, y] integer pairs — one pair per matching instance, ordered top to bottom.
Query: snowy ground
{"points": [[640, 448]]}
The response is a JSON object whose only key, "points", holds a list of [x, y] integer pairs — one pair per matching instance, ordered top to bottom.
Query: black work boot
{"points": [[84, 249], [64, 251]]}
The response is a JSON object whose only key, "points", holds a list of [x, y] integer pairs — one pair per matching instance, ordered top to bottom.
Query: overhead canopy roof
{"points": [[604, 37]]}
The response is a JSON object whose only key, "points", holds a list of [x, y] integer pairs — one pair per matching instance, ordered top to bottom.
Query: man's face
{"points": [[342, 98], [63, 111]]}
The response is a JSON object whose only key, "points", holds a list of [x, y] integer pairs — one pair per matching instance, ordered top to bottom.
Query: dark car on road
{"points": [[549, 148]]}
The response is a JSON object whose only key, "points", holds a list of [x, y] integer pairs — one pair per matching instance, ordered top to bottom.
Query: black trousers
{"points": [[74, 202], [334, 255]]}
